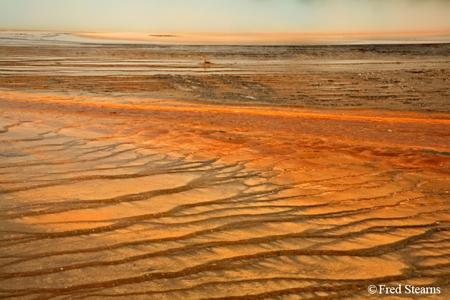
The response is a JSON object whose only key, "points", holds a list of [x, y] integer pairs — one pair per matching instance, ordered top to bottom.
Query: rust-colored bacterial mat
{"points": [[254, 184]]}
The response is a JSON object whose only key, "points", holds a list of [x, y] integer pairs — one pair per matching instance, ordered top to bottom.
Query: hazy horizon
{"points": [[227, 17]]}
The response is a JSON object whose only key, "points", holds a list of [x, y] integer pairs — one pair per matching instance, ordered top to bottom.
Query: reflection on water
{"points": [[126, 194], [139, 205]]}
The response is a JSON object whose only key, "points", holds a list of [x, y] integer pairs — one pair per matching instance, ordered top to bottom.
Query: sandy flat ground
{"points": [[274, 38], [269, 39], [223, 172]]}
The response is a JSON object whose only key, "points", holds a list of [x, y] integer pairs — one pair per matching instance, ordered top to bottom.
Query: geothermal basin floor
{"points": [[205, 173]]}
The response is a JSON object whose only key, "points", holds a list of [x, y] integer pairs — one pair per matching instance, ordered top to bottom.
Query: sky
{"points": [[226, 16]]}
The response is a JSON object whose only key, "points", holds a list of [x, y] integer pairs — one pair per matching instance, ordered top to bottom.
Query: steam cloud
{"points": [[374, 15], [231, 16]]}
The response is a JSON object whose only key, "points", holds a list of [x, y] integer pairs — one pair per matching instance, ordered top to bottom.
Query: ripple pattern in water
{"points": [[143, 204]]}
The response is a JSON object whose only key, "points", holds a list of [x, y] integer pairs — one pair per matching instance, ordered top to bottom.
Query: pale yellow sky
{"points": [[226, 16]]}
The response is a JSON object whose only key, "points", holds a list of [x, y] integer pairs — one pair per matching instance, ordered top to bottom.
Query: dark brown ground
{"points": [[390, 77], [182, 172]]}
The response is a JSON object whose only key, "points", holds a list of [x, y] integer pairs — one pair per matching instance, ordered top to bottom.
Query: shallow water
{"points": [[107, 196], [144, 203]]}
